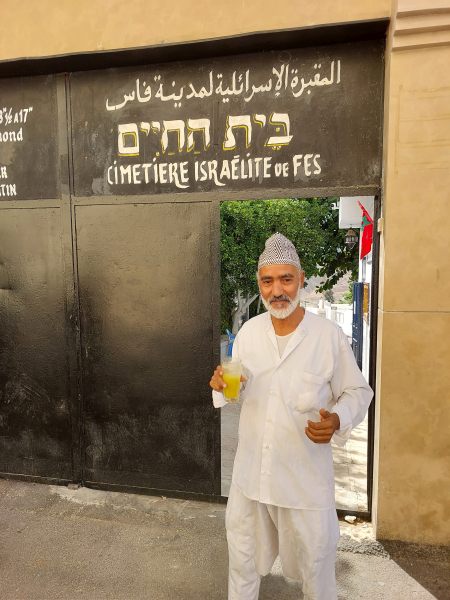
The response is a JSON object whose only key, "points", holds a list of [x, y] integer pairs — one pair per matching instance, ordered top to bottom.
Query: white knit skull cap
{"points": [[279, 250]]}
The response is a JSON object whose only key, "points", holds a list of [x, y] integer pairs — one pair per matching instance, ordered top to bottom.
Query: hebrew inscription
{"points": [[303, 118]]}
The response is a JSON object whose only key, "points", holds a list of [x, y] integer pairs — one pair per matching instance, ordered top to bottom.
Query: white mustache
{"points": [[279, 299], [282, 313]]}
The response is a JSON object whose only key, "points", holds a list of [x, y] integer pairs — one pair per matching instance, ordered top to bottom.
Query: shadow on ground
{"points": [[428, 565], [275, 586]]}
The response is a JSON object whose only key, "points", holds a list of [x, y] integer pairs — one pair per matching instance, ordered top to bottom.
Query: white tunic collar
{"points": [[298, 336]]}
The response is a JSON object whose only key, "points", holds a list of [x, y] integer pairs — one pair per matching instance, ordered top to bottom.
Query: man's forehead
{"points": [[277, 270]]}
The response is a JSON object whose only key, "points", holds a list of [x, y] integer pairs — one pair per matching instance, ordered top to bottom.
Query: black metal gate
{"points": [[110, 184], [146, 342], [39, 409], [36, 435]]}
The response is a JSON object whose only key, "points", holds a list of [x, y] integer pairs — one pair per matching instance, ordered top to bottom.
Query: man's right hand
{"points": [[217, 383]]}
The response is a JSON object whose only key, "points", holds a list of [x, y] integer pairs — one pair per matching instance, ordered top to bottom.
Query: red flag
{"points": [[367, 232]]}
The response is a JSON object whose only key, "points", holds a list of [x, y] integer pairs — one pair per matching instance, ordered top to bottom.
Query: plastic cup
{"points": [[232, 371]]}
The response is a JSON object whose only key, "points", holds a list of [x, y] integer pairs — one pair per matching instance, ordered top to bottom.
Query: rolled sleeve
{"points": [[351, 392], [218, 399], [346, 425]]}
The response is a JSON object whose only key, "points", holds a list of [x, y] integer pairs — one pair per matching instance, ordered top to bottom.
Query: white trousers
{"points": [[306, 541]]}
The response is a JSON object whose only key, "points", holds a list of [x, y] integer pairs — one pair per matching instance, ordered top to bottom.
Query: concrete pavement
{"points": [[62, 544]]}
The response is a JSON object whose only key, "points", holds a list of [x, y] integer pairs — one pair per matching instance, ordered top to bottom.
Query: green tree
{"points": [[311, 224], [347, 298]]}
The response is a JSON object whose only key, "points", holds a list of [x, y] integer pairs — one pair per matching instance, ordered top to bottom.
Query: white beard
{"points": [[282, 313]]}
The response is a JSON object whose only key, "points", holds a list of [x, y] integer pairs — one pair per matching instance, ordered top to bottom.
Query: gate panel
{"points": [[306, 118], [28, 139], [145, 296], [134, 392], [35, 419]]}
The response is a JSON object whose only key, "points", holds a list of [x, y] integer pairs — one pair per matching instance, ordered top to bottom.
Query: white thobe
{"points": [[276, 463], [276, 466]]}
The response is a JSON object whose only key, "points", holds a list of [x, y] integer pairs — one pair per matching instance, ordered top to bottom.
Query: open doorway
{"points": [[333, 243]]}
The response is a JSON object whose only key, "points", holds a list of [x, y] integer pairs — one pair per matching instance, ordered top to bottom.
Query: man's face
{"points": [[280, 287]]}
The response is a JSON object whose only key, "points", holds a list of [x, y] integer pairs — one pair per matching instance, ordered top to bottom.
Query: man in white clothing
{"points": [[301, 388]]}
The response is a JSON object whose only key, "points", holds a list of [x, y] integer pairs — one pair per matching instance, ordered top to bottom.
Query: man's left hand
{"points": [[322, 432]]}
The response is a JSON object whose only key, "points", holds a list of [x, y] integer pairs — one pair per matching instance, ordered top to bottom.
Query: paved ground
{"points": [[350, 463], [350, 470], [61, 544]]}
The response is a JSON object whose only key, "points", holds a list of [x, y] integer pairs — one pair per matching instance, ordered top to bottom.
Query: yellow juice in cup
{"points": [[233, 381]]}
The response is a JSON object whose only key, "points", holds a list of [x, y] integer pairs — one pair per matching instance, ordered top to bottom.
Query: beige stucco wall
{"points": [[51, 27], [412, 460]]}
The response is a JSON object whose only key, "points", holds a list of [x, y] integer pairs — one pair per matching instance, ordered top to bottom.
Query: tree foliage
{"points": [[312, 226]]}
